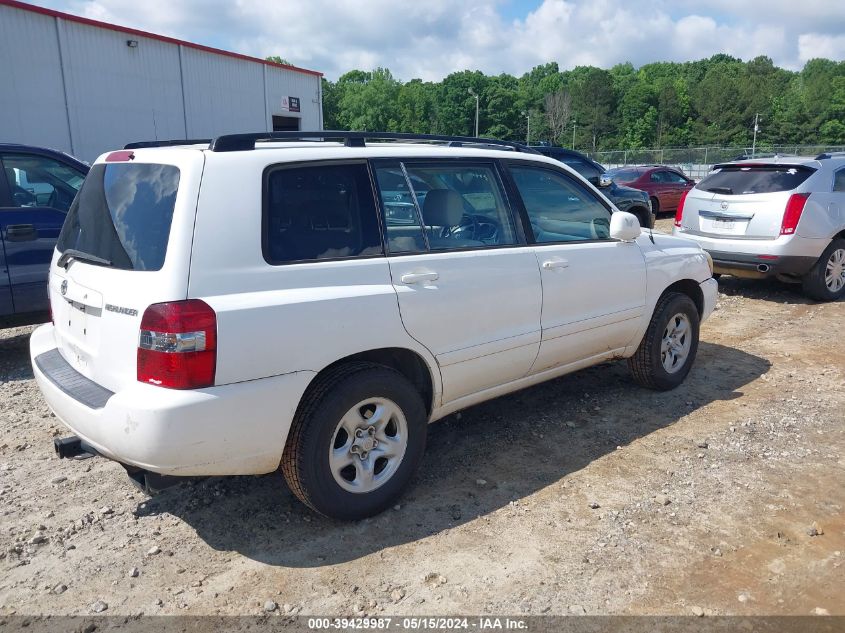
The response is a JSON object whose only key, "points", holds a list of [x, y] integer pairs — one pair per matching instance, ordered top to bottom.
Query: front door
{"points": [[40, 192], [468, 286], [593, 286]]}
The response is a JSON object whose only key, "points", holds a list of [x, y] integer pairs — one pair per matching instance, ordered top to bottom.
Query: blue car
{"points": [[37, 187]]}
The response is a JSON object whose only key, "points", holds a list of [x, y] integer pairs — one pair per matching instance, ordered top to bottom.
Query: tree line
{"points": [[665, 104]]}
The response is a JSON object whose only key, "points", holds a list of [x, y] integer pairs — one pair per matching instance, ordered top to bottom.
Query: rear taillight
{"points": [[679, 214], [792, 214], [177, 347]]}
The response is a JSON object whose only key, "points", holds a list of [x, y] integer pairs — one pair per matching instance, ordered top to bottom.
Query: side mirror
{"points": [[605, 181], [624, 226]]}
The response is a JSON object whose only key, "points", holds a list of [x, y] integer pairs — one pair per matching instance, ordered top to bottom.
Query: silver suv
{"points": [[781, 217]]}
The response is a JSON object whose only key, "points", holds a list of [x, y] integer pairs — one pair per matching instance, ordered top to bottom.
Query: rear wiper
{"points": [[725, 190], [72, 253]]}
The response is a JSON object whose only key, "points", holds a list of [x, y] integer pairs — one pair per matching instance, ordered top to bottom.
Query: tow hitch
{"points": [[72, 448]]}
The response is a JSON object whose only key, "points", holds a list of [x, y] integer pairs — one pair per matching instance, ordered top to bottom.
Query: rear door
{"points": [[676, 185], [41, 189], [743, 200], [135, 212], [468, 286], [594, 287], [6, 305]]}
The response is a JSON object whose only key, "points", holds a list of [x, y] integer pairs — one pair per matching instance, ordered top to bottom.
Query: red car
{"points": [[664, 185]]}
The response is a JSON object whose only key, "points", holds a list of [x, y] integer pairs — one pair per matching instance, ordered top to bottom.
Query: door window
{"points": [[674, 178], [839, 180], [37, 181], [443, 207], [559, 209], [319, 212]]}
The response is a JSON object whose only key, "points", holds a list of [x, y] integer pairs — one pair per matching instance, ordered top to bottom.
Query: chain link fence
{"points": [[697, 162]]}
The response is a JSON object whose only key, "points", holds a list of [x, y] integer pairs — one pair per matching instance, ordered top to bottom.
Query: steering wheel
{"points": [[473, 226]]}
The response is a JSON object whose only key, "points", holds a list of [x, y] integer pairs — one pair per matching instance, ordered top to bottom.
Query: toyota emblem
{"points": [[724, 205], [64, 287]]}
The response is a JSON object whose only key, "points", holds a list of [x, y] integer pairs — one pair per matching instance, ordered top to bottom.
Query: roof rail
{"points": [[241, 142], [170, 143]]}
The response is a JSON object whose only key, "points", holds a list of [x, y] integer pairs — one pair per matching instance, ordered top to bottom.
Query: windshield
{"points": [[735, 180], [123, 214]]}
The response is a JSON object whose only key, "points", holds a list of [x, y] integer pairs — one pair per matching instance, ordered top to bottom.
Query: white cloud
{"points": [[431, 38], [812, 45]]}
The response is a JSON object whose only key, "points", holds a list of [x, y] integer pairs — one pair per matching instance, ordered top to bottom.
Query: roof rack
{"points": [[241, 142], [170, 143]]}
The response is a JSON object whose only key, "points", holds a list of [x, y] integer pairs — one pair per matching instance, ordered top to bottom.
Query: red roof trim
{"points": [[161, 38]]}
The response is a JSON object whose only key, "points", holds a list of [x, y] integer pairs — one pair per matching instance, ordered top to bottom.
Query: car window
{"points": [[582, 167], [624, 174], [657, 176], [674, 177], [747, 179], [839, 180], [38, 181], [446, 207], [560, 210], [319, 212], [123, 214]]}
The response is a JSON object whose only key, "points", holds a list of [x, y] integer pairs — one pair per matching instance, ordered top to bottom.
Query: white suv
{"points": [[778, 217], [266, 301]]}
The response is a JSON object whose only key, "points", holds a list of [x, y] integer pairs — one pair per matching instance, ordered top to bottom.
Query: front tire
{"points": [[826, 279], [668, 349], [356, 439]]}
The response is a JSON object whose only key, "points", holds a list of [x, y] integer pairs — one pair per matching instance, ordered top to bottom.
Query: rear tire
{"points": [[826, 279], [668, 349], [356, 474]]}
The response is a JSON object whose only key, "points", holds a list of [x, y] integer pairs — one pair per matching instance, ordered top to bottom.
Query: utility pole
{"points": [[473, 93], [527, 115], [756, 129], [573, 133]]}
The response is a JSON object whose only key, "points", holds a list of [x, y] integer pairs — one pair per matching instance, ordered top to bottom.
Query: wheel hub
{"points": [[365, 441]]}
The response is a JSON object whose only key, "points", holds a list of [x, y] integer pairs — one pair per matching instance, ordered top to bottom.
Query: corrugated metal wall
{"points": [[80, 89]]}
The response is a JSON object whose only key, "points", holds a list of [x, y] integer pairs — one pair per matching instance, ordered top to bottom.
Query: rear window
{"points": [[624, 175], [735, 180], [319, 212], [123, 214]]}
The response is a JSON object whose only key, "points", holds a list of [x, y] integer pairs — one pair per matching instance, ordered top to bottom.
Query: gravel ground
{"points": [[583, 495]]}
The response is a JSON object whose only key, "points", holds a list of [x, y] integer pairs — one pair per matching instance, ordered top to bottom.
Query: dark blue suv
{"points": [[37, 186]]}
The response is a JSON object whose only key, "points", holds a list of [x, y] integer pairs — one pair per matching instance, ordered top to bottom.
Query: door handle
{"points": [[21, 233], [555, 263], [416, 278]]}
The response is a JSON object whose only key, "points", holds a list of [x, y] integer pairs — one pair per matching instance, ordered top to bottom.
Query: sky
{"points": [[429, 39]]}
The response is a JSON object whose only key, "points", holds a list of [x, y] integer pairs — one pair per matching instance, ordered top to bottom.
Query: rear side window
{"points": [[734, 180], [839, 181], [318, 212], [123, 214]]}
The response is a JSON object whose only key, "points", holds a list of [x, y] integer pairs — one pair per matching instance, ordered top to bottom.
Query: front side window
{"points": [[674, 178], [38, 181], [443, 207], [560, 210], [318, 212], [123, 214]]}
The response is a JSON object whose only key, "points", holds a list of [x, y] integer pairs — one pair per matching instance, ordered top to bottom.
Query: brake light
{"points": [[679, 214], [792, 214], [177, 346]]}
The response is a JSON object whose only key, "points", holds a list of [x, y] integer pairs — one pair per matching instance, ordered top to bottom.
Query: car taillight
{"points": [[794, 209], [679, 214], [177, 346]]}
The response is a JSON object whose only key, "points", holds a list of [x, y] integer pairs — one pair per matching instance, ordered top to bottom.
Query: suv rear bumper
{"points": [[789, 255], [757, 267], [236, 429]]}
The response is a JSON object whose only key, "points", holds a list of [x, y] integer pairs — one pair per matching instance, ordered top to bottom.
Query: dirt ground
{"points": [[587, 494]]}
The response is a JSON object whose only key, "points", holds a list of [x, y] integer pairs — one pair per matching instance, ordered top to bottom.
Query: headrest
{"points": [[443, 207]]}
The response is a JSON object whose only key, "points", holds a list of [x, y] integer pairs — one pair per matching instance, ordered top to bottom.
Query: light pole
{"points": [[473, 93], [527, 115], [756, 129], [573, 134]]}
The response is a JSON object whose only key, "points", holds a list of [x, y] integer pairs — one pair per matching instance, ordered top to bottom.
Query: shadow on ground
{"points": [[764, 290], [14, 354], [519, 444]]}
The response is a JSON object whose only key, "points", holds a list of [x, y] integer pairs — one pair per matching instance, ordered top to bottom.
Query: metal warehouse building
{"points": [[85, 87]]}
